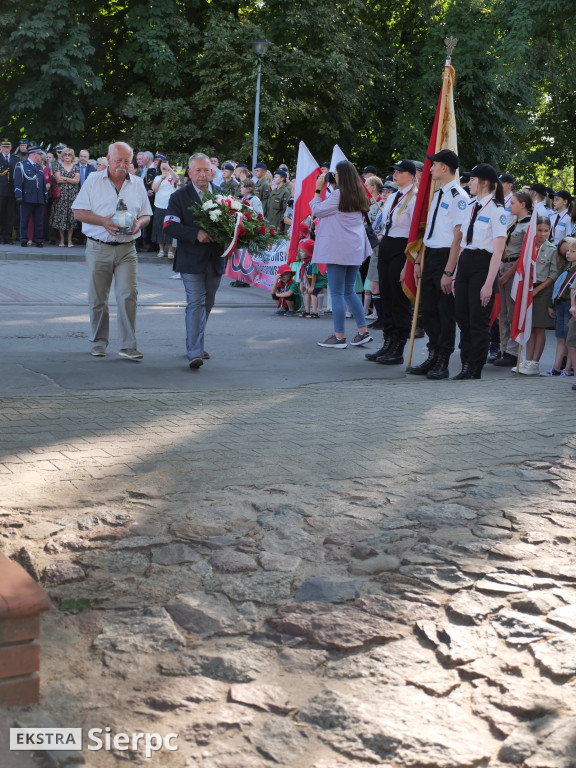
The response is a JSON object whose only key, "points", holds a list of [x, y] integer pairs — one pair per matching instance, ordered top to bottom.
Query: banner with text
{"points": [[255, 270]]}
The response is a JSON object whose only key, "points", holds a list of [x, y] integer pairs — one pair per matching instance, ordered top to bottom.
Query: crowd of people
{"points": [[352, 249]]}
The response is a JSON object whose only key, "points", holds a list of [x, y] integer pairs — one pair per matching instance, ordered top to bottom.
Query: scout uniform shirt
{"points": [[277, 203], [448, 210], [490, 223]]}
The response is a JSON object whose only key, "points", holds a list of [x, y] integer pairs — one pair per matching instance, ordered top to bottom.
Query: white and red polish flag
{"points": [[307, 169], [523, 285]]}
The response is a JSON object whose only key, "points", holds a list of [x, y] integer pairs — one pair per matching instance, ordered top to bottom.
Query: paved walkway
{"points": [[271, 413]]}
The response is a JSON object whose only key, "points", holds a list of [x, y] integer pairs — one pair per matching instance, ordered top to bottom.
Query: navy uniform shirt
{"points": [[451, 213], [490, 223]]}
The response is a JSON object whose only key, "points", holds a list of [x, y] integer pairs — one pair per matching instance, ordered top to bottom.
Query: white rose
{"points": [[236, 205], [215, 215]]}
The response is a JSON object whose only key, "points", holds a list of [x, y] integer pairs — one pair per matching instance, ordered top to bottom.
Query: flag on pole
{"points": [[443, 136], [337, 157], [307, 169], [523, 285]]}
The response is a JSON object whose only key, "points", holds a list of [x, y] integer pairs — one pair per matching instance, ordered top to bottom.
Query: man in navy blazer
{"points": [[84, 166], [198, 258]]}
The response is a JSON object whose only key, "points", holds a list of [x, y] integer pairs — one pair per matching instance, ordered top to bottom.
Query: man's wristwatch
{"points": [[448, 273]]}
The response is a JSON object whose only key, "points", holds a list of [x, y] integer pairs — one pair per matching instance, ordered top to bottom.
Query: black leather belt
{"points": [[103, 242]]}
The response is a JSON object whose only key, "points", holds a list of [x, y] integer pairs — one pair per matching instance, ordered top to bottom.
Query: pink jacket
{"points": [[340, 237]]}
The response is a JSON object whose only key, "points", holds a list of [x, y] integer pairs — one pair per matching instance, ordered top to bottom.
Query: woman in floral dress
{"points": [[67, 180]]}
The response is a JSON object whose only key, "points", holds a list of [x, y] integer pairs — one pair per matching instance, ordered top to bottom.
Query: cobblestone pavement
{"points": [[329, 574]]}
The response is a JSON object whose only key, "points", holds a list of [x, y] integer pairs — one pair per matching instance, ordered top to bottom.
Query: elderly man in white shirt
{"points": [[110, 254]]}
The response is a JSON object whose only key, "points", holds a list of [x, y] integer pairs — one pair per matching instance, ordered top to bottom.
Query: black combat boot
{"points": [[379, 352], [395, 353], [427, 365], [440, 370], [465, 373]]}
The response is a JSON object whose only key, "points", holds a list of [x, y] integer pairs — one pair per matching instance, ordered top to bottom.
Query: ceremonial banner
{"points": [[443, 136], [337, 157], [307, 170], [256, 271], [523, 285]]}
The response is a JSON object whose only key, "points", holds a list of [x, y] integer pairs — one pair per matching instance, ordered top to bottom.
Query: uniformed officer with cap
{"points": [[23, 145], [7, 164], [419, 168], [507, 181], [228, 185], [262, 187], [30, 191], [539, 193], [278, 200], [560, 221], [483, 240], [442, 246], [396, 307]]}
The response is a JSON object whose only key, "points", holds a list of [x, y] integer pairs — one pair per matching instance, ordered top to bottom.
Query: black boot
{"points": [[379, 352], [394, 356], [427, 365], [440, 370], [476, 370], [465, 373]]}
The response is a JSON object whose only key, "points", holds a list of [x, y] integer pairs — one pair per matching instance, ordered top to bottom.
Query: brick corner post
{"points": [[22, 601]]}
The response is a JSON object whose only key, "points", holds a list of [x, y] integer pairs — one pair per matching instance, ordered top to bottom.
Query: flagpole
{"points": [[450, 43]]}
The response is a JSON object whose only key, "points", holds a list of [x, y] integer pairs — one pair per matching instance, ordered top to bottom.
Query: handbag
{"points": [[56, 194], [372, 236]]}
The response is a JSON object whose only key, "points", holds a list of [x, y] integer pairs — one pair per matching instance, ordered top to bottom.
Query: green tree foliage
{"points": [[179, 75]]}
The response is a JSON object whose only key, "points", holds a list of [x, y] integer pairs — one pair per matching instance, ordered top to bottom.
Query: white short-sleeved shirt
{"points": [[163, 193], [99, 195], [507, 207], [451, 213], [400, 221], [490, 223], [561, 225]]}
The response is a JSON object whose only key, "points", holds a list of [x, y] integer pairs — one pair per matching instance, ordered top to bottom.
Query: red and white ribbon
{"points": [[232, 246]]}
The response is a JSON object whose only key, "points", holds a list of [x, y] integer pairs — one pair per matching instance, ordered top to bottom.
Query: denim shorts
{"points": [[563, 317]]}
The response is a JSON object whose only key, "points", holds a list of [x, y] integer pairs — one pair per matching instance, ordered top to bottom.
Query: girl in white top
{"points": [[163, 186]]}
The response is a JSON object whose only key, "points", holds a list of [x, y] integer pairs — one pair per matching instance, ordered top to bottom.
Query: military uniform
{"points": [[7, 165], [231, 188], [30, 191], [263, 191], [276, 209]]}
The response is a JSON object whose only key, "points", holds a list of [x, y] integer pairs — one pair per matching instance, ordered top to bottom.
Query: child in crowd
{"points": [[545, 273], [313, 279], [285, 291], [560, 312]]}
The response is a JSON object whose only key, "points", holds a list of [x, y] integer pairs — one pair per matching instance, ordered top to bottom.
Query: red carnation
{"points": [[227, 202], [248, 217], [260, 217], [262, 230], [271, 230], [241, 231]]}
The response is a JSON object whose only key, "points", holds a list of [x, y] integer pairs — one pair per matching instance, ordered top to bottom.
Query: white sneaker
{"points": [[176, 276], [530, 368]]}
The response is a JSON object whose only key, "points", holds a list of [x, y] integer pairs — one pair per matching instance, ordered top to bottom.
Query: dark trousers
{"points": [[7, 205], [37, 212], [395, 304], [437, 308], [473, 319]]}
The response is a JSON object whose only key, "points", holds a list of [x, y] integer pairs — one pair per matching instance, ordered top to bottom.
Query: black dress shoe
{"points": [[24, 245], [39, 245], [506, 361], [196, 362]]}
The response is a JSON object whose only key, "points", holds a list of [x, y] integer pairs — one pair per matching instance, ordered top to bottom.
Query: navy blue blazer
{"points": [[192, 257]]}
